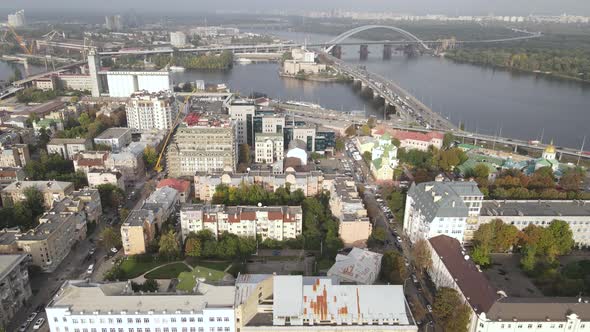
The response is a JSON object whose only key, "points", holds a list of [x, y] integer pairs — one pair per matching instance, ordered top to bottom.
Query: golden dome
{"points": [[550, 148]]}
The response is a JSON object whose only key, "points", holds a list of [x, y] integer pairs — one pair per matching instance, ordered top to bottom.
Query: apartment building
{"points": [[148, 111], [115, 138], [202, 144], [68, 147], [269, 148], [14, 155], [87, 160], [9, 175], [97, 177], [311, 183], [52, 191], [347, 205], [441, 208], [274, 222], [138, 230], [15, 287], [80, 305]]}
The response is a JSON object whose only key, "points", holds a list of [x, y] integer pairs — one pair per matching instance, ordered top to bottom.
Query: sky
{"points": [[452, 7]]}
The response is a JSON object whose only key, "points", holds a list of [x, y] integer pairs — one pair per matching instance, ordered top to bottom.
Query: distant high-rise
{"points": [[17, 19], [114, 23], [178, 39]]}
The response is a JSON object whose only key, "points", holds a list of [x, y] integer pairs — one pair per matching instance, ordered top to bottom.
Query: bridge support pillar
{"points": [[337, 51], [387, 51], [364, 52], [515, 148]]}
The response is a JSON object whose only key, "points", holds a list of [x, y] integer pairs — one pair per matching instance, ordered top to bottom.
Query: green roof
{"points": [[467, 147], [378, 163], [470, 164]]}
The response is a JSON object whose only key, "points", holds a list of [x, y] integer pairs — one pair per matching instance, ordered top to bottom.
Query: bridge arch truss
{"points": [[343, 36]]}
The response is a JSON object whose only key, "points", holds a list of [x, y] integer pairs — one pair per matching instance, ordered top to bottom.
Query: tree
{"points": [[371, 122], [365, 130], [350, 131], [448, 140], [396, 142], [340, 144], [244, 154], [367, 156], [150, 157], [480, 171], [572, 180], [111, 196], [34, 201], [562, 236], [110, 238], [377, 238], [168, 245], [192, 246], [421, 255], [481, 255], [528, 259], [393, 269], [450, 310]]}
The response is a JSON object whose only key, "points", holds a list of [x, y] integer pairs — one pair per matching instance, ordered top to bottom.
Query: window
{"points": [[183, 319], [191, 319], [200, 319], [211, 319], [219, 319], [226, 319], [129, 320], [138, 320], [146, 320], [173, 320], [539, 325], [226, 329]]}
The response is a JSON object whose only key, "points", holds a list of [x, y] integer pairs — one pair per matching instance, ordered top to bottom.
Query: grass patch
{"points": [[134, 268], [169, 271], [186, 280]]}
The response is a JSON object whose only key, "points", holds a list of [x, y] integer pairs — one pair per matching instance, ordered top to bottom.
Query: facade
{"points": [[17, 20], [177, 39], [294, 67], [75, 82], [123, 84], [148, 111], [242, 112], [268, 122], [116, 138], [414, 140], [202, 144], [68, 147], [269, 148], [14, 155], [91, 160], [9, 175], [98, 177], [311, 183], [52, 191], [87, 202], [346, 205], [441, 208], [522, 213], [275, 222], [137, 231], [360, 266], [15, 287], [296, 303], [80, 305]]}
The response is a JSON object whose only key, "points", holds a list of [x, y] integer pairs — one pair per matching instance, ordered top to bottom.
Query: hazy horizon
{"points": [[418, 7]]}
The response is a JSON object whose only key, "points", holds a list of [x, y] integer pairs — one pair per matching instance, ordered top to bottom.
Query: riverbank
{"points": [[317, 78]]}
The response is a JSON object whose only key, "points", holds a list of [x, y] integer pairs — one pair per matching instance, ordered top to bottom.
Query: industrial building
{"points": [[123, 84]]}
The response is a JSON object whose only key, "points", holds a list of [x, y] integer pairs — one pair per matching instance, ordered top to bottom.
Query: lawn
{"points": [[134, 268], [168, 271], [186, 280]]}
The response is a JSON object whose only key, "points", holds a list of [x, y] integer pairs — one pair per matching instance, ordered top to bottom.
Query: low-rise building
{"points": [[294, 67], [115, 138], [413, 140], [68, 147], [269, 148], [14, 155], [383, 158], [87, 160], [129, 163], [9, 175], [96, 177], [311, 183], [183, 187], [52, 191], [164, 200], [88, 203], [346, 205], [441, 208], [522, 213], [273, 222], [137, 231], [358, 266], [15, 287], [296, 303], [115, 307]]}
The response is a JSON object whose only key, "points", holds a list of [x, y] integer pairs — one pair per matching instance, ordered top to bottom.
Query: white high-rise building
{"points": [[17, 19], [178, 39], [148, 111], [242, 112], [269, 147], [83, 306]]}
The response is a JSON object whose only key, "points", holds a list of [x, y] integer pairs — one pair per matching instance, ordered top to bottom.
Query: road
{"points": [[422, 291]]}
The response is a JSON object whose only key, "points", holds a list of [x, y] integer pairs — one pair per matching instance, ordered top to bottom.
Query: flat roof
{"points": [[115, 132], [67, 141], [536, 208], [8, 263], [81, 296], [538, 309]]}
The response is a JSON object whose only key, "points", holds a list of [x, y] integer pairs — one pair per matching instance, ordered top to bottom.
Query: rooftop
{"points": [[112, 133], [67, 141], [177, 184], [41, 185], [443, 199], [536, 208], [139, 217], [46, 228], [8, 263], [360, 266], [476, 288], [81, 296], [540, 309]]}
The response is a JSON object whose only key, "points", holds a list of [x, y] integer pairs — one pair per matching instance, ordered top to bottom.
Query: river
{"points": [[7, 70]]}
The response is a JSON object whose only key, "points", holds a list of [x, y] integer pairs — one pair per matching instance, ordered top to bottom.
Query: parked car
{"points": [[114, 250], [92, 251], [90, 269], [32, 316], [39, 323], [23, 327]]}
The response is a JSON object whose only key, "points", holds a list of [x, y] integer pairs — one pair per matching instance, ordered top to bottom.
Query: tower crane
{"points": [[20, 41]]}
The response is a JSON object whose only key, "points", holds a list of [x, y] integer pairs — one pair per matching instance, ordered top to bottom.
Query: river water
{"points": [[7, 70], [486, 100]]}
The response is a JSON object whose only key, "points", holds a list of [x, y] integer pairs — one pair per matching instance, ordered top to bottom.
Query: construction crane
{"points": [[21, 42], [158, 166]]}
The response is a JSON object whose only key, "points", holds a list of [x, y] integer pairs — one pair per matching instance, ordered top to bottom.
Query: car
{"points": [[399, 239], [114, 250], [92, 251], [90, 269], [429, 307], [32, 316], [39, 323], [23, 327]]}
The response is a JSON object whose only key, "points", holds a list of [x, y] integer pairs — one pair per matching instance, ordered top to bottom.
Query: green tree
{"points": [[371, 122], [365, 130], [350, 131], [448, 140], [396, 142], [340, 144], [150, 157], [367, 157], [481, 171], [111, 196], [34, 201], [562, 236], [110, 238], [377, 238], [168, 245], [192, 246], [481, 255], [528, 259], [393, 269], [450, 310]]}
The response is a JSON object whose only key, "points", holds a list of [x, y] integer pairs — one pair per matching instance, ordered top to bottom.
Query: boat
{"points": [[243, 61], [177, 69], [303, 104]]}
